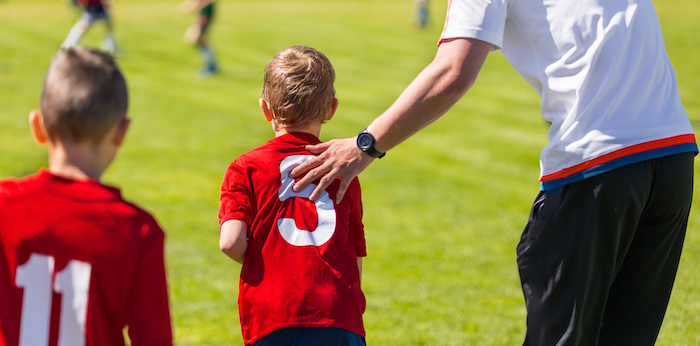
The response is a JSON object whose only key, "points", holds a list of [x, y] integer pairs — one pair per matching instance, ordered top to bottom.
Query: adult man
{"points": [[598, 257]]}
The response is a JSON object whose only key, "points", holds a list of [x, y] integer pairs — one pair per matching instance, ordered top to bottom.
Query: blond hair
{"points": [[298, 85], [84, 95]]}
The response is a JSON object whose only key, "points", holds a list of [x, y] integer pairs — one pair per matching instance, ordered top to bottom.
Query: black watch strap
{"points": [[365, 141]]}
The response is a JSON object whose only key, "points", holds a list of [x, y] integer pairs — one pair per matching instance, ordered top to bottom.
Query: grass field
{"points": [[444, 211]]}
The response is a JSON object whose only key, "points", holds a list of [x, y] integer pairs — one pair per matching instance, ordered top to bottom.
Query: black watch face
{"points": [[364, 141]]}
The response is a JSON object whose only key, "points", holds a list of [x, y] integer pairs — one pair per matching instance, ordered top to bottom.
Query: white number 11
{"points": [[73, 283]]}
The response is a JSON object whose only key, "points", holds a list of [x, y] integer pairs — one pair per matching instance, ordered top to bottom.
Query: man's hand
{"points": [[339, 158]]}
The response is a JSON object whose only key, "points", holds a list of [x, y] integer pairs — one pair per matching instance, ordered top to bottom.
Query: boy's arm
{"points": [[233, 240], [148, 315]]}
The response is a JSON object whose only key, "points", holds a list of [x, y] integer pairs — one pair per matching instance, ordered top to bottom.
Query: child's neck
{"points": [[283, 130], [79, 161]]}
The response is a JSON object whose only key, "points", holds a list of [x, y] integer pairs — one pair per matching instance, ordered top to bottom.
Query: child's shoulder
{"points": [[265, 153], [264, 161], [13, 186], [141, 219]]}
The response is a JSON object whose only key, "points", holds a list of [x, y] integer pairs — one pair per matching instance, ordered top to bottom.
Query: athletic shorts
{"points": [[94, 13], [206, 15], [598, 258], [311, 336]]}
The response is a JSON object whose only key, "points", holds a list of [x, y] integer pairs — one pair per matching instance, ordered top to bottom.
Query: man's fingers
{"points": [[319, 148], [339, 158], [313, 163], [305, 167], [312, 173], [344, 184], [323, 185]]}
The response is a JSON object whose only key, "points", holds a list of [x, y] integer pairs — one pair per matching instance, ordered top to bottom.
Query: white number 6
{"points": [[324, 207]]}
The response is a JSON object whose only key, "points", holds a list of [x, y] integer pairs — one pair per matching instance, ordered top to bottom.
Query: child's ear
{"points": [[265, 106], [334, 107], [36, 125], [120, 133]]}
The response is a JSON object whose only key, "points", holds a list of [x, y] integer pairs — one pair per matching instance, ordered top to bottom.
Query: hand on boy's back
{"points": [[338, 158]]}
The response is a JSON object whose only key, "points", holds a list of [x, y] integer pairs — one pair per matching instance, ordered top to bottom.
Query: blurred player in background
{"points": [[95, 10], [420, 13], [197, 32], [302, 261], [78, 264]]}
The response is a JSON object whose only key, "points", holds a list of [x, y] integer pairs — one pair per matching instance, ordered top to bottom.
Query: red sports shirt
{"points": [[92, 2], [77, 265], [300, 269]]}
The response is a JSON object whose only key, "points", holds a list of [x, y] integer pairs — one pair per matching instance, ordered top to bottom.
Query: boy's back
{"points": [[76, 251], [302, 260], [77, 262], [292, 277]]}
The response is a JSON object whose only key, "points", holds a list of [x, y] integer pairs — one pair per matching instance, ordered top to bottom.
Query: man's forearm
{"points": [[432, 93]]}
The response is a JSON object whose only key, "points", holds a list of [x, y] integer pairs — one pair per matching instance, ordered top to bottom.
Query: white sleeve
{"points": [[480, 19]]}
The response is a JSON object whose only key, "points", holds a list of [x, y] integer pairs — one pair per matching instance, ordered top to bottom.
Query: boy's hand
{"points": [[338, 158]]}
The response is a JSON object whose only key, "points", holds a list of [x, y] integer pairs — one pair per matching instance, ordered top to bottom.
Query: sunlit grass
{"points": [[443, 211]]}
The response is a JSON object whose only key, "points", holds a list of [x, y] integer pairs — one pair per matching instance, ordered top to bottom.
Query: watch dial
{"points": [[365, 141]]}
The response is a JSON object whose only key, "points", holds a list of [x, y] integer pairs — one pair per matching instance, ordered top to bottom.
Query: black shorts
{"points": [[597, 259], [311, 336]]}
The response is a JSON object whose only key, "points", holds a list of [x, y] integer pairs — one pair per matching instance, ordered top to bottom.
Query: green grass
{"points": [[444, 211]]}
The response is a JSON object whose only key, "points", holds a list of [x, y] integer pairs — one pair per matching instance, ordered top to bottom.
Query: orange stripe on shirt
{"points": [[447, 18], [635, 149]]}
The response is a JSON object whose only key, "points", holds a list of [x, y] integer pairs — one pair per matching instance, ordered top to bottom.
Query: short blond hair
{"points": [[298, 85], [84, 95]]}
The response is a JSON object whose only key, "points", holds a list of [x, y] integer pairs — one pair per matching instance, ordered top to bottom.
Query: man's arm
{"points": [[431, 94], [233, 240]]}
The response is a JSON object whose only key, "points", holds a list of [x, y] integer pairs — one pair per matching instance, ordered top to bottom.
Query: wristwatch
{"points": [[365, 141]]}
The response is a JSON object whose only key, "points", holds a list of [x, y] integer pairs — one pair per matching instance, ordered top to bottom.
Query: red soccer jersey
{"points": [[92, 2], [77, 265], [300, 268]]}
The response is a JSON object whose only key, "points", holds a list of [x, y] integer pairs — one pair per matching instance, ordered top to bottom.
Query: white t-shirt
{"points": [[601, 69]]}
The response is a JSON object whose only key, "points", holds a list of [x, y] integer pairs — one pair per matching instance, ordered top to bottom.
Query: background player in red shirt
{"points": [[95, 10], [302, 261], [78, 264]]}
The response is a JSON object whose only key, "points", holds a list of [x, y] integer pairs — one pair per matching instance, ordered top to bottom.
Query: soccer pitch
{"points": [[443, 211]]}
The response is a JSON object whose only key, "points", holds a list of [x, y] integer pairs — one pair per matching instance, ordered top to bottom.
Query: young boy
{"points": [[95, 10], [197, 33], [302, 261], [78, 264]]}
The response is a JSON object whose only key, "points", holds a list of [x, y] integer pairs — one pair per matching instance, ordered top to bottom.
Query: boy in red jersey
{"points": [[95, 10], [302, 261], [78, 264]]}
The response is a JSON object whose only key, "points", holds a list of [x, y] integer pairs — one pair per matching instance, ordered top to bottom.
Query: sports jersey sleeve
{"points": [[480, 19], [235, 199], [356, 235], [6, 287], [148, 315], [9, 326]]}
